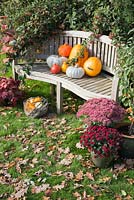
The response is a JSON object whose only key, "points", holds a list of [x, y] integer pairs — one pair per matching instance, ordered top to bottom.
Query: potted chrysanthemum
{"points": [[101, 111], [107, 112], [103, 143]]}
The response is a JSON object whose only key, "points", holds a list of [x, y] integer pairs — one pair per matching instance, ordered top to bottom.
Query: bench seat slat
{"points": [[86, 86], [99, 86]]}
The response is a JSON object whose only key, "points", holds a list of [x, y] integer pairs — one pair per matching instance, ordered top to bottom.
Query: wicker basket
{"points": [[41, 108]]}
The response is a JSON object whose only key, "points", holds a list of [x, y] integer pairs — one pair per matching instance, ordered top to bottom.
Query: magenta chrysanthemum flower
{"points": [[101, 110], [103, 141]]}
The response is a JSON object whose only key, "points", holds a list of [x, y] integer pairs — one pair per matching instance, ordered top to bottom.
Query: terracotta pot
{"points": [[127, 144], [101, 162]]}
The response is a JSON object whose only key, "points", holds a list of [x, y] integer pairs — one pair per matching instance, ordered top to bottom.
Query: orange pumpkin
{"points": [[64, 50], [79, 54], [92, 66], [64, 67]]}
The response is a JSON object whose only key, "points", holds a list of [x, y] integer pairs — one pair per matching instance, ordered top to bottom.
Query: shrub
{"points": [[37, 19], [34, 20], [7, 40], [125, 70], [10, 93]]}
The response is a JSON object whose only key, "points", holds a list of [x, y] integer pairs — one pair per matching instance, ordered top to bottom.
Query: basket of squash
{"points": [[35, 107]]}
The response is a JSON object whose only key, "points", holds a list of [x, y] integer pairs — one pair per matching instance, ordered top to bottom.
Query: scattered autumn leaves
{"points": [[42, 161]]}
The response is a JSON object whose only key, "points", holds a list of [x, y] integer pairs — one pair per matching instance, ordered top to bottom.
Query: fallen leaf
{"points": [[3, 113], [18, 114], [63, 121], [79, 146], [51, 148], [39, 149], [65, 151], [50, 153], [70, 156], [34, 160], [65, 161], [19, 163], [87, 163], [9, 165], [18, 168], [120, 168], [58, 173], [69, 175], [79, 176], [90, 176], [115, 176], [105, 179], [131, 181], [77, 185], [59, 187], [20, 189], [38, 189], [48, 192], [21, 193], [123, 193], [76, 194], [84, 195], [117, 197], [128, 197], [46, 198], [90, 198]]}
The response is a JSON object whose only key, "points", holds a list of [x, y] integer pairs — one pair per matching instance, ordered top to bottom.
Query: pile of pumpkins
{"points": [[74, 61], [35, 106]]}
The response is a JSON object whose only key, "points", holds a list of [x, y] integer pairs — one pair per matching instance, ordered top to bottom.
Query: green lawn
{"points": [[41, 159]]}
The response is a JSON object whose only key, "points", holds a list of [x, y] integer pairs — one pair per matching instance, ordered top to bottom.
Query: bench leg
{"points": [[115, 88], [59, 98]]}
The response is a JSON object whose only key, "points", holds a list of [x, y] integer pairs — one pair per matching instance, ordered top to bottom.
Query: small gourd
{"points": [[64, 50], [79, 54], [55, 59], [92, 66], [64, 67], [55, 69], [75, 71]]}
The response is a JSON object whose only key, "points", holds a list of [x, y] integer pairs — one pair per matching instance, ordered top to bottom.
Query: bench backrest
{"points": [[101, 47]]}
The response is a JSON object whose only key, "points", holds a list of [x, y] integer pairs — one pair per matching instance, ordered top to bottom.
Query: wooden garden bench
{"points": [[103, 85]]}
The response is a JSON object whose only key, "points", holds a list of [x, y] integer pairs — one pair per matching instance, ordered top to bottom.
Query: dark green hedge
{"points": [[34, 19]]}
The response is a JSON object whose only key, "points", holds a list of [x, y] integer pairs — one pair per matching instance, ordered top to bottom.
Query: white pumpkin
{"points": [[55, 59], [75, 71]]}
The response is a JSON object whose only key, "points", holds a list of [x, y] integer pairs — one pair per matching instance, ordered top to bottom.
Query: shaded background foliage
{"points": [[39, 18]]}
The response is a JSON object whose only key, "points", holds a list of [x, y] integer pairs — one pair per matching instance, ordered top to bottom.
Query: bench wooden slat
{"points": [[42, 72], [104, 85]]}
